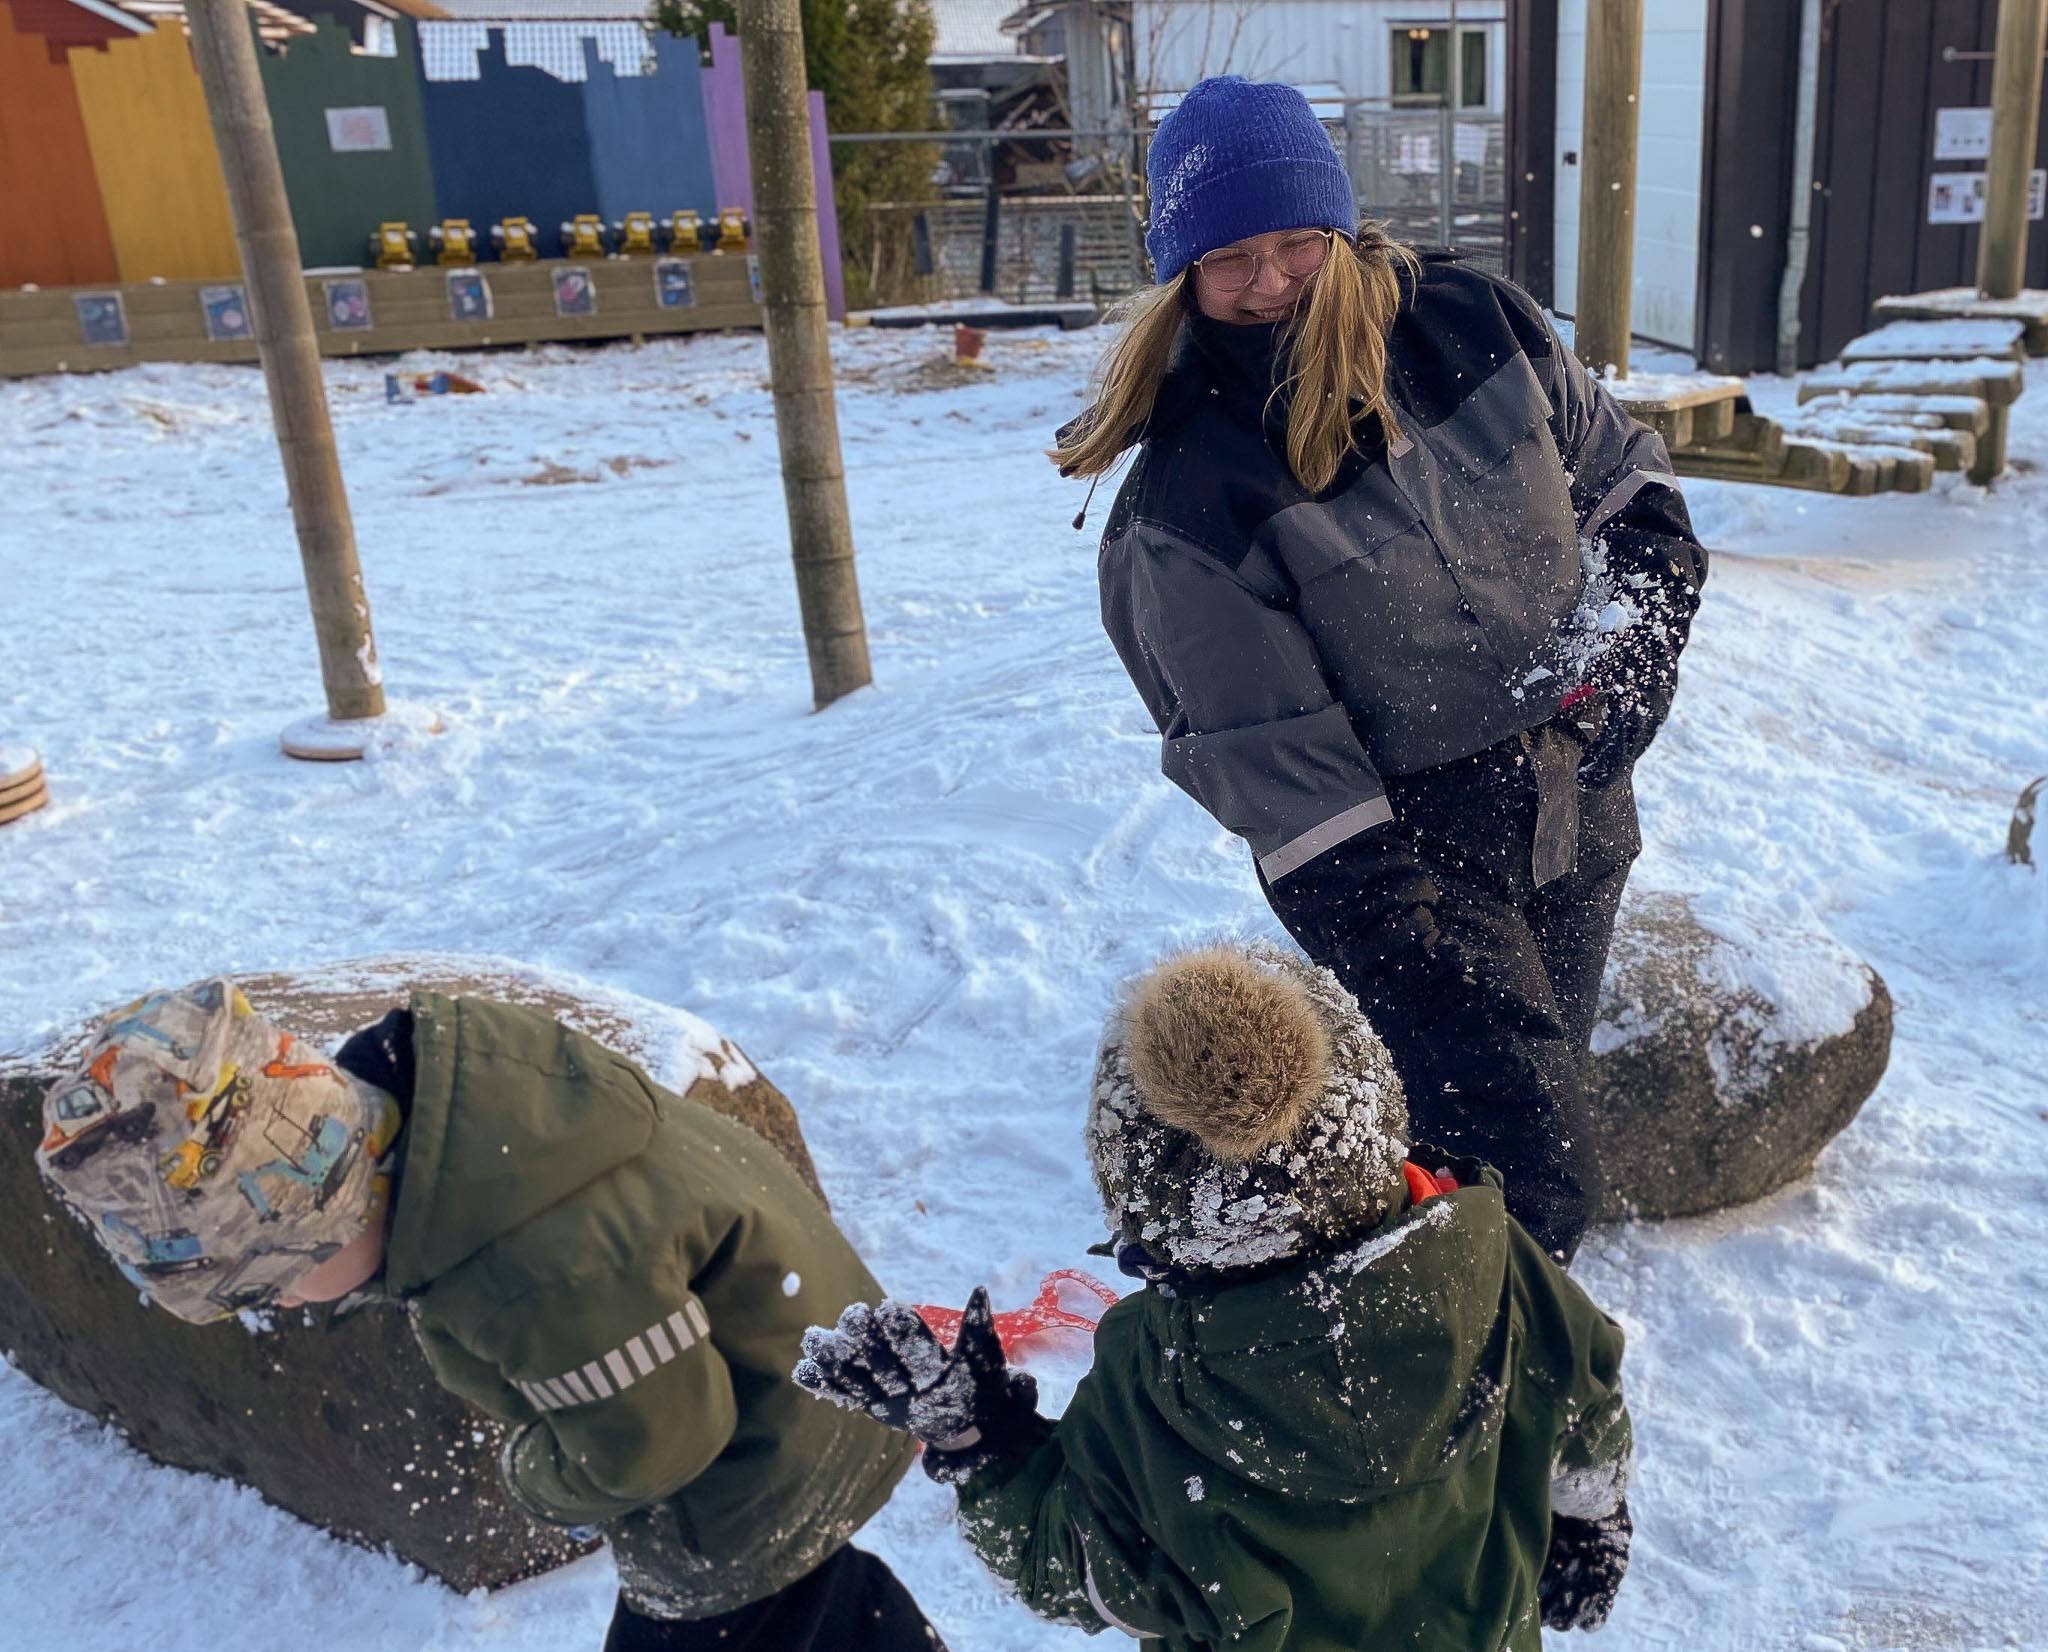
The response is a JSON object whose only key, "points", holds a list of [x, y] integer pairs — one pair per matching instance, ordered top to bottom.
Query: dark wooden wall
{"points": [[1882, 76]]}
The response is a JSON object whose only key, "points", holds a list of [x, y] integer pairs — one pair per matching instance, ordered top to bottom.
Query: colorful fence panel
{"points": [[352, 134], [648, 146], [152, 151], [55, 231]]}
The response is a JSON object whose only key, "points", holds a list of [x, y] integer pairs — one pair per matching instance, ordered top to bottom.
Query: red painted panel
{"points": [[62, 24], [55, 231]]}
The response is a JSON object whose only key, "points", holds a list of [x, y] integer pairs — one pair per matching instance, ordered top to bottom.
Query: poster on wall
{"points": [[360, 130], [1962, 134], [1958, 197], [673, 288], [575, 292], [469, 296], [348, 306], [227, 314], [102, 318]]}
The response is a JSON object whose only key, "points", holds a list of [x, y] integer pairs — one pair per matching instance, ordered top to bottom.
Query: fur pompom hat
{"points": [[1243, 1112]]}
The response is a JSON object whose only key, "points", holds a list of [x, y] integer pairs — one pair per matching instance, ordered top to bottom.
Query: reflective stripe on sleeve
{"points": [[1297, 852], [617, 1369]]}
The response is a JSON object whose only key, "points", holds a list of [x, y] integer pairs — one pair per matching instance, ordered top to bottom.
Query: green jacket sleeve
{"points": [[1575, 1351], [627, 1395], [1074, 1546]]}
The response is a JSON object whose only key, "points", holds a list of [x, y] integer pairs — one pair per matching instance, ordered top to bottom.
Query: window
{"points": [[1421, 54]]}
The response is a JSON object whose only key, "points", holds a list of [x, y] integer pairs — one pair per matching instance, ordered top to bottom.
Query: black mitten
{"points": [[967, 1406], [1583, 1571]]}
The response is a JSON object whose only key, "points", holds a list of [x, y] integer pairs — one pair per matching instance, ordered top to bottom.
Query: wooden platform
{"points": [[2029, 308], [41, 330], [1947, 340], [1997, 383], [1684, 408]]}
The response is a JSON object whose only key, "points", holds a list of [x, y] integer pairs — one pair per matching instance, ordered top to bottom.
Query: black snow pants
{"points": [[1484, 1086], [852, 1603]]}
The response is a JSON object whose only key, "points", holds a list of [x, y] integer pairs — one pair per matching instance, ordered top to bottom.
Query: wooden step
{"points": [[2029, 308], [1949, 340], [1996, 382], [1956, 412], [1951, 449]]}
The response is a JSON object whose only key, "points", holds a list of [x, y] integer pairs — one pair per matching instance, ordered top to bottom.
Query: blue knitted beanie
{"points": [[1237, 158]]}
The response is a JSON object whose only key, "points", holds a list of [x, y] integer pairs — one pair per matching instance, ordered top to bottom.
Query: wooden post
{"points": [[224, 51], [2015, 118], [1607, 182], [799, 348]]}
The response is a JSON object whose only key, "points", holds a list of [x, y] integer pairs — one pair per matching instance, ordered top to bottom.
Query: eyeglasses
{"points": [[1298, 256]]}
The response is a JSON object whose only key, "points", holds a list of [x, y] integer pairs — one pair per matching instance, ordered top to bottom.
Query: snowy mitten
{"points": [[1636, 677], [967, 1406], [1583, 1571]]}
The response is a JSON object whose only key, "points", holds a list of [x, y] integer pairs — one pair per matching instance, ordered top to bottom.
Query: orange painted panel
{"points": [[152, 149], [55, 231]]}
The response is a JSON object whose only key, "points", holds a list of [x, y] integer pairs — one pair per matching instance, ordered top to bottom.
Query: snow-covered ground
{"points": [[912, 910]]}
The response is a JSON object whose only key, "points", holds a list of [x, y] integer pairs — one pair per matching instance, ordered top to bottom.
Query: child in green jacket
{"points": [[618, 1272], [1356, 1406]]}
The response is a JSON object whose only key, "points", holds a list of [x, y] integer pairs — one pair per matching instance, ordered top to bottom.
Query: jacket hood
{"points": [[511, 1113], [1374, 1370]]}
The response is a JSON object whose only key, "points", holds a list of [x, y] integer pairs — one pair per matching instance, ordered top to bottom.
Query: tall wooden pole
{"points": [[224, 49], [2015, 119], [1607, 182], [2002, 245], [799, 347]]}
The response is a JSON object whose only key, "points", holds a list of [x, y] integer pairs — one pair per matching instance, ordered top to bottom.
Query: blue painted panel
{"points": [[514, 142], [649, 146]]}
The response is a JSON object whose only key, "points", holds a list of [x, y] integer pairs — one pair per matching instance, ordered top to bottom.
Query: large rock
{"points": [[1728, 1053], [345, 1425]]}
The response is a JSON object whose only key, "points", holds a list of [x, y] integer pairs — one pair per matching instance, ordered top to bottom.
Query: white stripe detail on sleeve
{"points": [[1620, 494], [1297, 852], [627, 1364], [1101, 1607]]}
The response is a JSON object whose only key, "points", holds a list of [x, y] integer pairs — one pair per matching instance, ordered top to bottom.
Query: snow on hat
{"points": [[1237, 158], [1243, 1111], [215, 1158]]}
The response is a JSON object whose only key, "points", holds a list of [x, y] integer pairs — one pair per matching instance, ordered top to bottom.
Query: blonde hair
{"points": [[1336, 351]]}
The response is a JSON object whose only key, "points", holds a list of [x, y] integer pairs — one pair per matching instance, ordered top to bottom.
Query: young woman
{"points": [[1405, 590]]}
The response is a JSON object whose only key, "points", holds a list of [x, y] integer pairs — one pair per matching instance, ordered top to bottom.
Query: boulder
{"points": [[1730, 1049], [341, 1423]]}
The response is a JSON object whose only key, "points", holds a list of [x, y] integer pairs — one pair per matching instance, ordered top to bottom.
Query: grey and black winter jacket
{"points": [[1435, 601]]}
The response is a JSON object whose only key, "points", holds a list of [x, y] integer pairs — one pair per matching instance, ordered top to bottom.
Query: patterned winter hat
{"points": [[1243, 1112], [216, 1158]]}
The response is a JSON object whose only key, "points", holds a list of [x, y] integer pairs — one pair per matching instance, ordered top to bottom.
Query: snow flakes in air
{"points": [[1196, 1490]]}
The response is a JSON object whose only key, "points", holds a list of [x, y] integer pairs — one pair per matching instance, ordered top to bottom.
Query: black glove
{"points": [[1635, 678], [968, 1407], [1583, 1571]]}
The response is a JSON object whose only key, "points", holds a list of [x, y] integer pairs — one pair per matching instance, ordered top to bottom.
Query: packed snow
{"points": [[913, 909]]}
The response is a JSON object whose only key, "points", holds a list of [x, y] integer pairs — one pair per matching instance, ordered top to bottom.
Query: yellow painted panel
{"points": [[152, 147]]}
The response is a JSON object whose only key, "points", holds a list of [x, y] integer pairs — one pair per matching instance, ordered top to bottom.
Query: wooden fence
{"points": [[381, 312]]}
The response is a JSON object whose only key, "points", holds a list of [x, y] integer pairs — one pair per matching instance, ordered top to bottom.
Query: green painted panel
{"points": [[353, 138]]}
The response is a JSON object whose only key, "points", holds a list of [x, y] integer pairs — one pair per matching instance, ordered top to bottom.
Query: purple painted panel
{"points": [[725, 115], [725, 118], [828, 212]]}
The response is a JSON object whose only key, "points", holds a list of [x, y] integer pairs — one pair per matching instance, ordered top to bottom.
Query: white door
{"points": [[1670, 145]]}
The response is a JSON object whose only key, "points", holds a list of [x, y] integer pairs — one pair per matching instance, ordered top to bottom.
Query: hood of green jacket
{"points": [[486, 1147], [1374, 1370]]}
